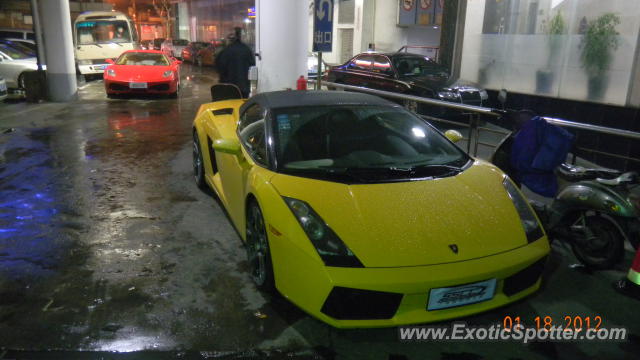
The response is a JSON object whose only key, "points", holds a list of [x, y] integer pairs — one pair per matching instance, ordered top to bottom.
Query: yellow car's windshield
{"points": [[373, 142]]}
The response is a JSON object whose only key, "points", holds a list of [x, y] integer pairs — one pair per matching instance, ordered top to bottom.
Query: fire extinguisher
{"points": [[301, 83]]}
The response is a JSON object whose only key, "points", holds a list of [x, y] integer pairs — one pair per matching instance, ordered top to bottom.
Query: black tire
{"points": [[21, 84], [198, 163], [602, 245], [258, 251]]}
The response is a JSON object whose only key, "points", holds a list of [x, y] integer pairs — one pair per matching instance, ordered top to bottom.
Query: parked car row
{"points": [[17, 56], [14, 63]]}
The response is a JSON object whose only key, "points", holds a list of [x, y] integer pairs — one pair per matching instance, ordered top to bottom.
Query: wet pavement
{"points": [[106, 245]]}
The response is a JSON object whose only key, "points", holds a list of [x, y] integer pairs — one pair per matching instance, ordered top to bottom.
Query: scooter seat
{"points": [[573, 173]]}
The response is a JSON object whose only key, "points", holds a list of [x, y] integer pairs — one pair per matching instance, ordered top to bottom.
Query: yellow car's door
{"points": [[234, 169]]}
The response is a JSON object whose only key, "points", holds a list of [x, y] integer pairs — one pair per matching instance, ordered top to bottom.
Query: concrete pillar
{"points": [[183, 22], [37, 29], [282, 42], [58, 47]]}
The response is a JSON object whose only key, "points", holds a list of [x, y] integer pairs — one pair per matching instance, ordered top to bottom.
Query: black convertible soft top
{"points": [[294, 98]]}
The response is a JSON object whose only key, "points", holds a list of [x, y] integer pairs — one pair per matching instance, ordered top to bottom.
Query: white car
{"points": [[26, 42], [174, 47], [13, 65], [312, 66], [3, 89]]}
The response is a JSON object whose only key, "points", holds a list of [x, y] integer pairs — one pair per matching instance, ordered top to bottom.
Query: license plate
{"points": [[99, 67], [138, 85], [443, 298]]}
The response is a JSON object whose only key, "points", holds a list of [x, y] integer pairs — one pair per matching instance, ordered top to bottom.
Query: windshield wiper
{"points": [[428, 169], [325, 172]]}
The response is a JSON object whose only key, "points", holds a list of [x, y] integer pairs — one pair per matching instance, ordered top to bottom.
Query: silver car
{"points": [[174, 47], [14, 64], [3, 89]]}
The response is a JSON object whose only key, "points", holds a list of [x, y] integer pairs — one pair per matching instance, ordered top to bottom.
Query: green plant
{"points": [[557, 25], [555, 28], [599, 39]]}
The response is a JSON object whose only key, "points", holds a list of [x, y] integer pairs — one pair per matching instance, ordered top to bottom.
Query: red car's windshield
{"points": [[145, 59]]}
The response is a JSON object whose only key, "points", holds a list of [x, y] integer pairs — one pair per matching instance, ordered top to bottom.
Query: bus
{"points": [[102, 35]]}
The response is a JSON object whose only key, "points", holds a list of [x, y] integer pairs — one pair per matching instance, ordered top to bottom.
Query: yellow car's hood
{"points": [[418, 222]]}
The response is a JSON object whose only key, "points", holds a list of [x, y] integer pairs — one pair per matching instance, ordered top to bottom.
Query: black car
{"points": [[157, 43], [406, 73]]}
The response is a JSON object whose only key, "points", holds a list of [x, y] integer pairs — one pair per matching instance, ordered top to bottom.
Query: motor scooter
{"points": [[595, 210]]}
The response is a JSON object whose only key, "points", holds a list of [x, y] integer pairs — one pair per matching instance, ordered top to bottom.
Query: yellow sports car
{"points": [[363, 214]]}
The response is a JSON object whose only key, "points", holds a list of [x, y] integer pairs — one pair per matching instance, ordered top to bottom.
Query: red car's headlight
{"points": [[111, 72], [167, 74]]}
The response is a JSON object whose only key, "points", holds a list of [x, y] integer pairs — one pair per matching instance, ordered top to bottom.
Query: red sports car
{"points": [[142, 72]]}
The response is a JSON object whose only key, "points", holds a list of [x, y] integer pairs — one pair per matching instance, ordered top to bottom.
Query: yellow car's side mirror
{"points": [[453, 135], [227, 146]]}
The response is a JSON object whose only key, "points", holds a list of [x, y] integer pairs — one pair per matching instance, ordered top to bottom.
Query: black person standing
{"points": [[234, 61]]}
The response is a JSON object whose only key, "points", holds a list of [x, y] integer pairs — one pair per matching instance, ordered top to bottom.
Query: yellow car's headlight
{"points": [[527, 217], [331, 249]]}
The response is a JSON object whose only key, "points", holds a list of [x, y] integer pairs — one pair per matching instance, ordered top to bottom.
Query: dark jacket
{"points": [[233, 65], [538, 148]]}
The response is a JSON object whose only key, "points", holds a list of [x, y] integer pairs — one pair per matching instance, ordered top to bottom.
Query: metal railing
{"points": [[473, 114]]}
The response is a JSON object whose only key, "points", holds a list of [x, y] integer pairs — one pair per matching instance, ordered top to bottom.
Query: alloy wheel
{"points": [[198, 166], [601, 244], [257, 246]]}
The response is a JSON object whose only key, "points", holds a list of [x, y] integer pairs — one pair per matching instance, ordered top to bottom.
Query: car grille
{"points": [[118, 87], [160, 87], [471, 97], [524, 279], [355, 304]]}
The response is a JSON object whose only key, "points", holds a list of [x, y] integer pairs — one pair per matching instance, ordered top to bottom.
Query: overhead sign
{"points": [[426, 12], [407, 13], [323, 26]]}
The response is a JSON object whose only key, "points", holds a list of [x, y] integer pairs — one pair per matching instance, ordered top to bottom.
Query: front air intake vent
{"points": [[524, 279], [355, 304]]}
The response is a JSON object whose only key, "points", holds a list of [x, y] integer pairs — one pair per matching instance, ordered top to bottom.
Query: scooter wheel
{"points": [[601, 243]]}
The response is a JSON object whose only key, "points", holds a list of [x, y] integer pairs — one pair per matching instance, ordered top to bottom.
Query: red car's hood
{"points": [[139, 72]]}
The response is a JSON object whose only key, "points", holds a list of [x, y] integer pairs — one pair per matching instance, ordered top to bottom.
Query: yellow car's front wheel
{"points": [[198, 163], [257, 246]]}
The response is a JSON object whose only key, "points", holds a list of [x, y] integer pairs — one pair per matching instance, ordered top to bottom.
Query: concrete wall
{"points": [[375, 22], [389, 37], [518, 61]]}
